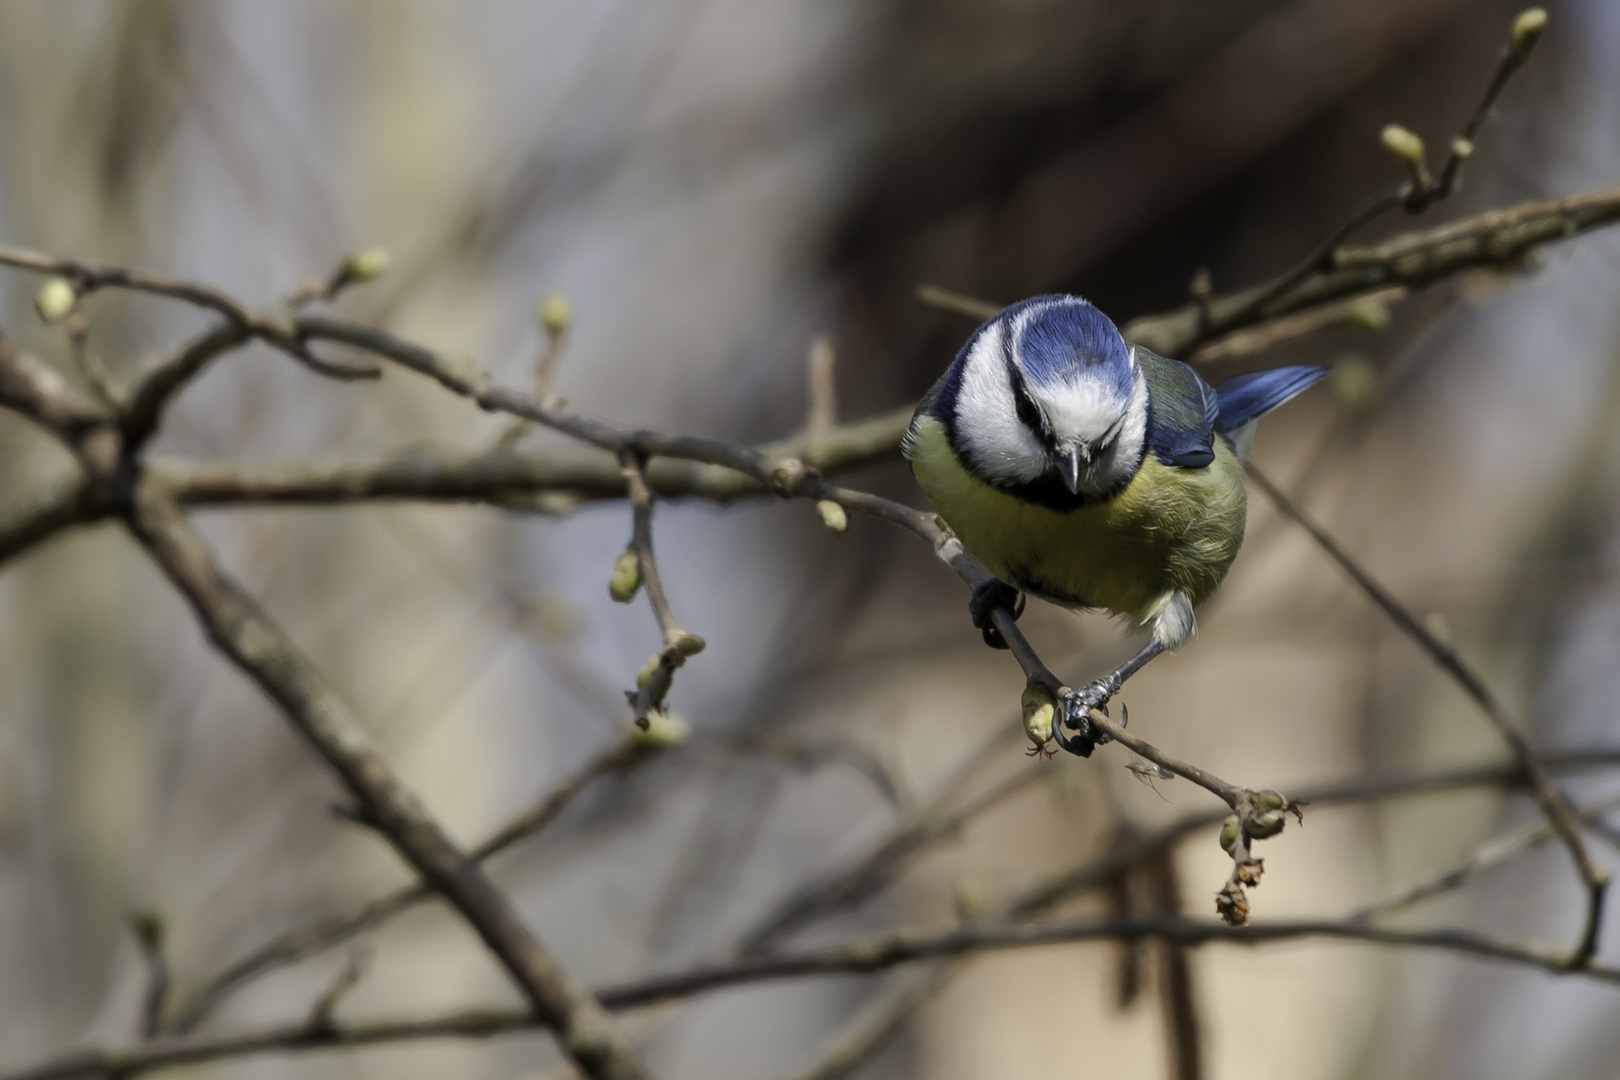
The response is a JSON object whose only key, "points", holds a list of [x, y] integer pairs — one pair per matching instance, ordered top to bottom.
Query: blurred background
{"points": [[714, 182]]}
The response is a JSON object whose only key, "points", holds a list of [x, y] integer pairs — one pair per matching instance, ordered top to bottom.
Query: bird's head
{"points": [[1050, 391]]}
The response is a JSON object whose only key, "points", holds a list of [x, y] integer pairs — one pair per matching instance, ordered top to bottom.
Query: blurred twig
{"points": [[1541, 787], [308, 941]]}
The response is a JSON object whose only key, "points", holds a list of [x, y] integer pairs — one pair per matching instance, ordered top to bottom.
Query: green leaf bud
{"points": [[1527, 29], [1404, 144], [366, 265], [55, 299], [555, 313], [833, 516], [625, 581], [689, 644], [648, 669], [1040, 712], [663, 730], [1266, 825], [1229, 833]]}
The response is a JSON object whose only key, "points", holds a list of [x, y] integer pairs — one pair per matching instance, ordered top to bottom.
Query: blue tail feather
{"points": [[1246, 397]]}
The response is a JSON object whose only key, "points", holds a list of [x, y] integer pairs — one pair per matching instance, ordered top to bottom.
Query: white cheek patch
{"points": [[988, 431], [1119, 463]]}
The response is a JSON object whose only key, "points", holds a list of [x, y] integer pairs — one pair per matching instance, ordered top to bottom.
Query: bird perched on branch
{"points": [[1091, 473]]}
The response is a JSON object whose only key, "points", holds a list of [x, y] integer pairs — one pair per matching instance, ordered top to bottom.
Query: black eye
{"points": [[1028, 414]]}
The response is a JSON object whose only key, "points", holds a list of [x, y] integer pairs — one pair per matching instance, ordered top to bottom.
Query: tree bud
{"points": [[1527, 30], [1404, 144], [366, 265], [55, 299], [555, 313], [833, 516], [625, 581], [689, 644], [648, 669], [1040, 710], [663, 730], [1269, 800], [1266, 825], [1229, 833]]}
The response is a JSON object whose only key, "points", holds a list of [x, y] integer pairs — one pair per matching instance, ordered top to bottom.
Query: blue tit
{"points": [[1091, 473]]}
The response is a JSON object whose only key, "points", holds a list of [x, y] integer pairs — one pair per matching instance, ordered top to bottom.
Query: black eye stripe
{"points": [[1029, 414]]}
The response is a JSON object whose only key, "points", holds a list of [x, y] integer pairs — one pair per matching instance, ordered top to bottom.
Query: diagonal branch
{"points": [[245, 634], [1542, 789]]}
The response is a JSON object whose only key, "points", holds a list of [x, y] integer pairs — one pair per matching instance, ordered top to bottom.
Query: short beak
{"points": [[1069, 469]]}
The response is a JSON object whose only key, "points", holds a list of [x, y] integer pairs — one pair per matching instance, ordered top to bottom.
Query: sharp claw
{"points": [[988, 596]]}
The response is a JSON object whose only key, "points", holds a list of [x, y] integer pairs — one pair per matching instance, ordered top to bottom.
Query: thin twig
{"points": [[822, 415], [655, 680], [1542, 789], [1487, 856], [147, 927], [311, 940], [861, 956]]}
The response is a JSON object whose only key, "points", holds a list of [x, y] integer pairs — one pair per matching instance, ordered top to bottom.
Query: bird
{"points": [[1092, 473]]}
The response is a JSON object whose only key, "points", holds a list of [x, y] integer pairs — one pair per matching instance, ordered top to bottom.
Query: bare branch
{"points": [[1494, 239], [87, 277], [164, 376], [822, 416], [582, 475], [35, 518], [257, 645], [654, 681], [1546, 795], [1489, 855], [147, 927], [879, 953], [321, 1013], [484, 1023]]}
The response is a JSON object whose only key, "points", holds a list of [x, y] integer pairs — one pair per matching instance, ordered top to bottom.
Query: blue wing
{"points": [[1248, 397], [1182, 412]]}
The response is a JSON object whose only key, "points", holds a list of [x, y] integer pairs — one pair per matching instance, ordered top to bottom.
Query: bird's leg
{"points": [[988, 596], [1074, 712]]}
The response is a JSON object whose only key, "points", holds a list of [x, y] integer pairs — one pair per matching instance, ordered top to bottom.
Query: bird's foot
{"points": [[986, 598], [1074, 715]]}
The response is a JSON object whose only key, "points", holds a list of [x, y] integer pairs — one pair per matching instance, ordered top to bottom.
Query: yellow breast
{"points": [[1168, 529]]}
